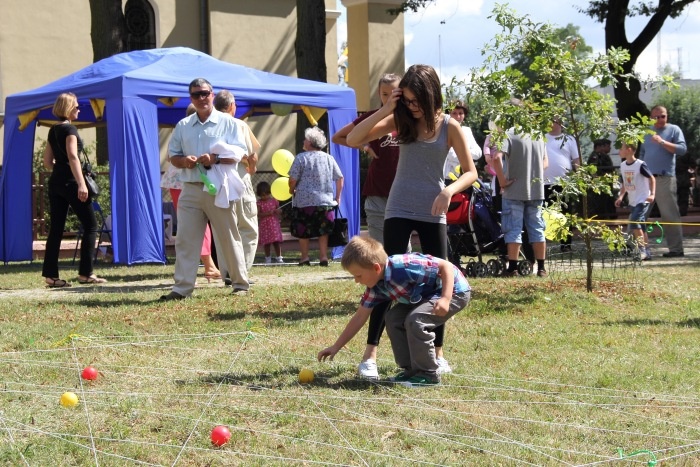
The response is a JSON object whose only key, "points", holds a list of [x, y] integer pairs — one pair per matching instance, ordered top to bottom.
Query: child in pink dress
{"points": [[269, 229]]}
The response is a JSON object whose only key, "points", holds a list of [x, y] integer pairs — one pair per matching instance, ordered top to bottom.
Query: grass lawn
{"points": [[544, 373]]}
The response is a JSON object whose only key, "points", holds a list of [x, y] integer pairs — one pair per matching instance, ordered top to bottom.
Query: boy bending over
{"points": [[428, 292]]}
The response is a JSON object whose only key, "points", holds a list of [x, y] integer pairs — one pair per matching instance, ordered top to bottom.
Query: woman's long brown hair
{"points": [[424, 83]]}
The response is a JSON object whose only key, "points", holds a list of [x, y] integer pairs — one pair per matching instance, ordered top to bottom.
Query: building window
{"points": [[140, 25]]}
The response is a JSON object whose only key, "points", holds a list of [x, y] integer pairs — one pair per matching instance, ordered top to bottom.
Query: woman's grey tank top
{"points": [[419, 179]]}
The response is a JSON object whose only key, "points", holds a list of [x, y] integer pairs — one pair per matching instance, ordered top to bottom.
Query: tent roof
{"points": [[166, 73]]}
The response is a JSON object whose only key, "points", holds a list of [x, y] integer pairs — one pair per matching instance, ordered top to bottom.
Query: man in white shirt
{"points": [[459, 113], [564, 157]]}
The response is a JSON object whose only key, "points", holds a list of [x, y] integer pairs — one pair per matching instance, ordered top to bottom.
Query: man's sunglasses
{"points": [[199, 94]]}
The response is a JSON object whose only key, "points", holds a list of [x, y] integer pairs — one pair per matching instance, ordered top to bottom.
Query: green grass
{"points": [[545, 373]]}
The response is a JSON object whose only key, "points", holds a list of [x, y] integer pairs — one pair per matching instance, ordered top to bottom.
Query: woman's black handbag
{"points": [[92, 187], [339, 235]]}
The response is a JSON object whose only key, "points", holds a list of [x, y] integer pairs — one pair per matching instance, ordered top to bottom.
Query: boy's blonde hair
{"points": [[64, 105], [632, 145], [363, 252]]}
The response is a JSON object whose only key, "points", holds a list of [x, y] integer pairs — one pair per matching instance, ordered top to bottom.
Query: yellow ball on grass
{"points": [[306, 376]]}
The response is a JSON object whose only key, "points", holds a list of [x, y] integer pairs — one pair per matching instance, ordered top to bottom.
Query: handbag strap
{"points": [[85, 156], [338, 213]]}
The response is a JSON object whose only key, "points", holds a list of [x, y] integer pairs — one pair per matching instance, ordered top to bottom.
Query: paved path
{"points": [[292, 275]]}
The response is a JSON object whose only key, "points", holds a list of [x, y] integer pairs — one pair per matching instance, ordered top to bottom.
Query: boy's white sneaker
{"points": [[280, 259], [268, 260], [443, 366], [368, 370]]}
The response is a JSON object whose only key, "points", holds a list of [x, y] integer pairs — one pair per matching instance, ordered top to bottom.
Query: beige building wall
{"points": [[261, 35], [41, 41], [39, 44], [375, 47]]}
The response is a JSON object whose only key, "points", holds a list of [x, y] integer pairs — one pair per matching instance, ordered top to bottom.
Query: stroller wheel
{"points": [[494, 267], [525, 267], [480, 269], [471, 270]]}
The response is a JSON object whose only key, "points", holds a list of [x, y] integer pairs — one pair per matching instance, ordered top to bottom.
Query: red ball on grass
{"points": [[89, 373], [220, 435]]}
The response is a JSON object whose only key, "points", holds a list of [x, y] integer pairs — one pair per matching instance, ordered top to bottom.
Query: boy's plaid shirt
{"points": [[411, 278]]}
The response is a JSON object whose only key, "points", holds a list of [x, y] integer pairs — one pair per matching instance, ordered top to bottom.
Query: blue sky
{"points": [[453, 47]]}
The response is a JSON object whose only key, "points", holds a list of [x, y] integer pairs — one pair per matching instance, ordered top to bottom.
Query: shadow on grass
{"points": [[514, 294], [338, 309], [687, 323], [285, 378]]}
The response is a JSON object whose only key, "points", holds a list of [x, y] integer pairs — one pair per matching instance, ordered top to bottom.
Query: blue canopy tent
{"points": [[133, 93]]}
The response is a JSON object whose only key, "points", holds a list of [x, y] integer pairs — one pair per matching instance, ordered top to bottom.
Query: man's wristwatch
{"points": [[216, 159]]}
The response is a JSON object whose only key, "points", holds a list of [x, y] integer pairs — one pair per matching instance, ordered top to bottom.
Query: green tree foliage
{"points": [[412, 5], [613, 14], [569, 34], [563, 79], [561, 87], [682, 105]]}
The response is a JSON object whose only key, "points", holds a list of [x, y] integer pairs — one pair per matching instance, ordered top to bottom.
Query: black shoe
{"points": [[673, 254], [323, 263], [513, 273], [240, 291], [171, 296]]}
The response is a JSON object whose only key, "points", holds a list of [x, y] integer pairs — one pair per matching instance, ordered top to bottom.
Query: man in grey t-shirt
{"points": [[522, 185]]}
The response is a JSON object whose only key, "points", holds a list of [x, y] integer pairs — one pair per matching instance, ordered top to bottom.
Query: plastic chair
{"points": [[104, 232]]}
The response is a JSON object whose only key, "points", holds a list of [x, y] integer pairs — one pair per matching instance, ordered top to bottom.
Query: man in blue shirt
{"points": [[659, 153], [428, 292]]}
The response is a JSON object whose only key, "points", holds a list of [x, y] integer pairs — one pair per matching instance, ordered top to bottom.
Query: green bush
{"points": [[682, 105], [72, 223]]}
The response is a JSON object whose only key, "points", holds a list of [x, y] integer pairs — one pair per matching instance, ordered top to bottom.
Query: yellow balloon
{"points": [[281, 110], [282, 161], [280, 189], [553, 222], [306, 376], [69, 399]]}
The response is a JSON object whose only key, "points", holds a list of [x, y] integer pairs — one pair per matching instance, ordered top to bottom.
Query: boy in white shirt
{"points": [[640, 186]]}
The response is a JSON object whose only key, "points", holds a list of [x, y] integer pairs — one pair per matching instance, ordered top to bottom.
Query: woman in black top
{"points": [[67, 188]]}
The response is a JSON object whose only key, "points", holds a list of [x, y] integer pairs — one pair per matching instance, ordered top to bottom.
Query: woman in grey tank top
{"points": [[419, 199]]}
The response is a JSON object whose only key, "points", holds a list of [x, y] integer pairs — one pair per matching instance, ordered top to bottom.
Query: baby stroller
{"points": [[473, 229]]}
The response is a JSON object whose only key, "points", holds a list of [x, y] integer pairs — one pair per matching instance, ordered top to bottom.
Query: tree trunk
{"points": [[108, 33], [310, 49], [628, 102]]}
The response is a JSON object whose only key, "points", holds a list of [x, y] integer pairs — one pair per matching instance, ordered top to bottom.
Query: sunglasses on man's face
{"points": [[199, 94]]}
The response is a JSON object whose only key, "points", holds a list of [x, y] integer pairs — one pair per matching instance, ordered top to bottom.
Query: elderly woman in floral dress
{"points": [[312, 178]]}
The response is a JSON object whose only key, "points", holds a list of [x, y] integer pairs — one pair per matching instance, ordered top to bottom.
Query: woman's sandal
{"points": [[305, 263], [92, 280], [56, 283]]}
